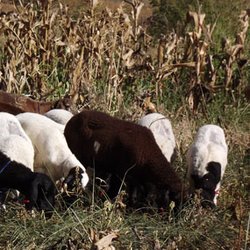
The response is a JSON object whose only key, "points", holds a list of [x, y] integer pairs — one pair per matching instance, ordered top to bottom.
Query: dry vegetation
{"points": [[47, 52], [106, 60]]}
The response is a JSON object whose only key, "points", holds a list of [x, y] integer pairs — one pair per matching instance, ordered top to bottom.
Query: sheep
{"points": [[16, 104], [61, 116], [10, 127], [163, 133], [124, 150], [52, 154], [207, 160], [16, 165]]}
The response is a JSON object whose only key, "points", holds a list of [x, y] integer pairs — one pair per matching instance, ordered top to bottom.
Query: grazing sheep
{"points": [[16, 104], [61, 116], [11, 127], [163, 133], [124, 150], [52, 154], [207, 160], [16, 165]]}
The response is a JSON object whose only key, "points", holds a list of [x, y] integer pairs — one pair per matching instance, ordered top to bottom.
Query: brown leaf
{"points": [[148, 105], [105, 242]]}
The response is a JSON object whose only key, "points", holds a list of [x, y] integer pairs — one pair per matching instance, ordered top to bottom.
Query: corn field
{"points": [[45, 52]]}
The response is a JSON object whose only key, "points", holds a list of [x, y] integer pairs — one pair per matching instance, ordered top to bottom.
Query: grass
{"points": [[106, 76], [83, 225]]}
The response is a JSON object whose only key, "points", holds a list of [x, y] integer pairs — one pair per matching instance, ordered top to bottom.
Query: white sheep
{"points": [[61, 116], [163, 133], [12, 134], [52, 154], [207, 160], [16, 165]]}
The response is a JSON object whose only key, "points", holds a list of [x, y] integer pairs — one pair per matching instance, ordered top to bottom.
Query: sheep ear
{"points": [[215, 169]]}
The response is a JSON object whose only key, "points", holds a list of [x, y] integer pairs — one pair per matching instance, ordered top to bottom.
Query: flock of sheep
{"points": [[38, 150]]}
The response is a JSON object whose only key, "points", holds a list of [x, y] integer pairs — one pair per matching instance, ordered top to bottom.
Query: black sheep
{"points": [[126, 151], [38, 188]]}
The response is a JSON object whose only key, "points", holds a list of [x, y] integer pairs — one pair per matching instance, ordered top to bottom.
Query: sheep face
{"points": [[76, 174], [208, 183], [74, 184], [42, 194], [145, 195], [137, 196], [151, 196]]}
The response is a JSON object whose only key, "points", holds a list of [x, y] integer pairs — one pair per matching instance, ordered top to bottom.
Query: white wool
{"points": [[59, 115], [38, 122], [9, 125], [162, 130], [14, 142], [18, 149], [52, 154]]}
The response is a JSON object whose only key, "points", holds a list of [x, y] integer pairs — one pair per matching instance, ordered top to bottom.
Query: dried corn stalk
{"points": [[47, 52], [233, 52]]}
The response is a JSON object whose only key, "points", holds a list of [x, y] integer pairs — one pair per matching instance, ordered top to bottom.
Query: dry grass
{"points": [[45, 52], [106, 60]]}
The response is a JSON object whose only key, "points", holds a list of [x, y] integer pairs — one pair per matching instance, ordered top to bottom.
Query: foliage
{"points": [[169, 15], [46, 53]]}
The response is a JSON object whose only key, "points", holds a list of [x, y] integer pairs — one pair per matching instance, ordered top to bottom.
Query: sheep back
{"points": [[59, 115], [163, 133], [14, 142]]}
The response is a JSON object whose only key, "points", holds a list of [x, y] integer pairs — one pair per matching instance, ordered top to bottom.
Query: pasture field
{"points": [[106, 60], [90, 225]]}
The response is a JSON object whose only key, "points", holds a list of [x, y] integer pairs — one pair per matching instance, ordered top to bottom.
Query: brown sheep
{"points": [[15, 104], [123, 149]]}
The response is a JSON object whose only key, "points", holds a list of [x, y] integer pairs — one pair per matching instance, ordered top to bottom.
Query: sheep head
{"points": [[42, 194]]}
